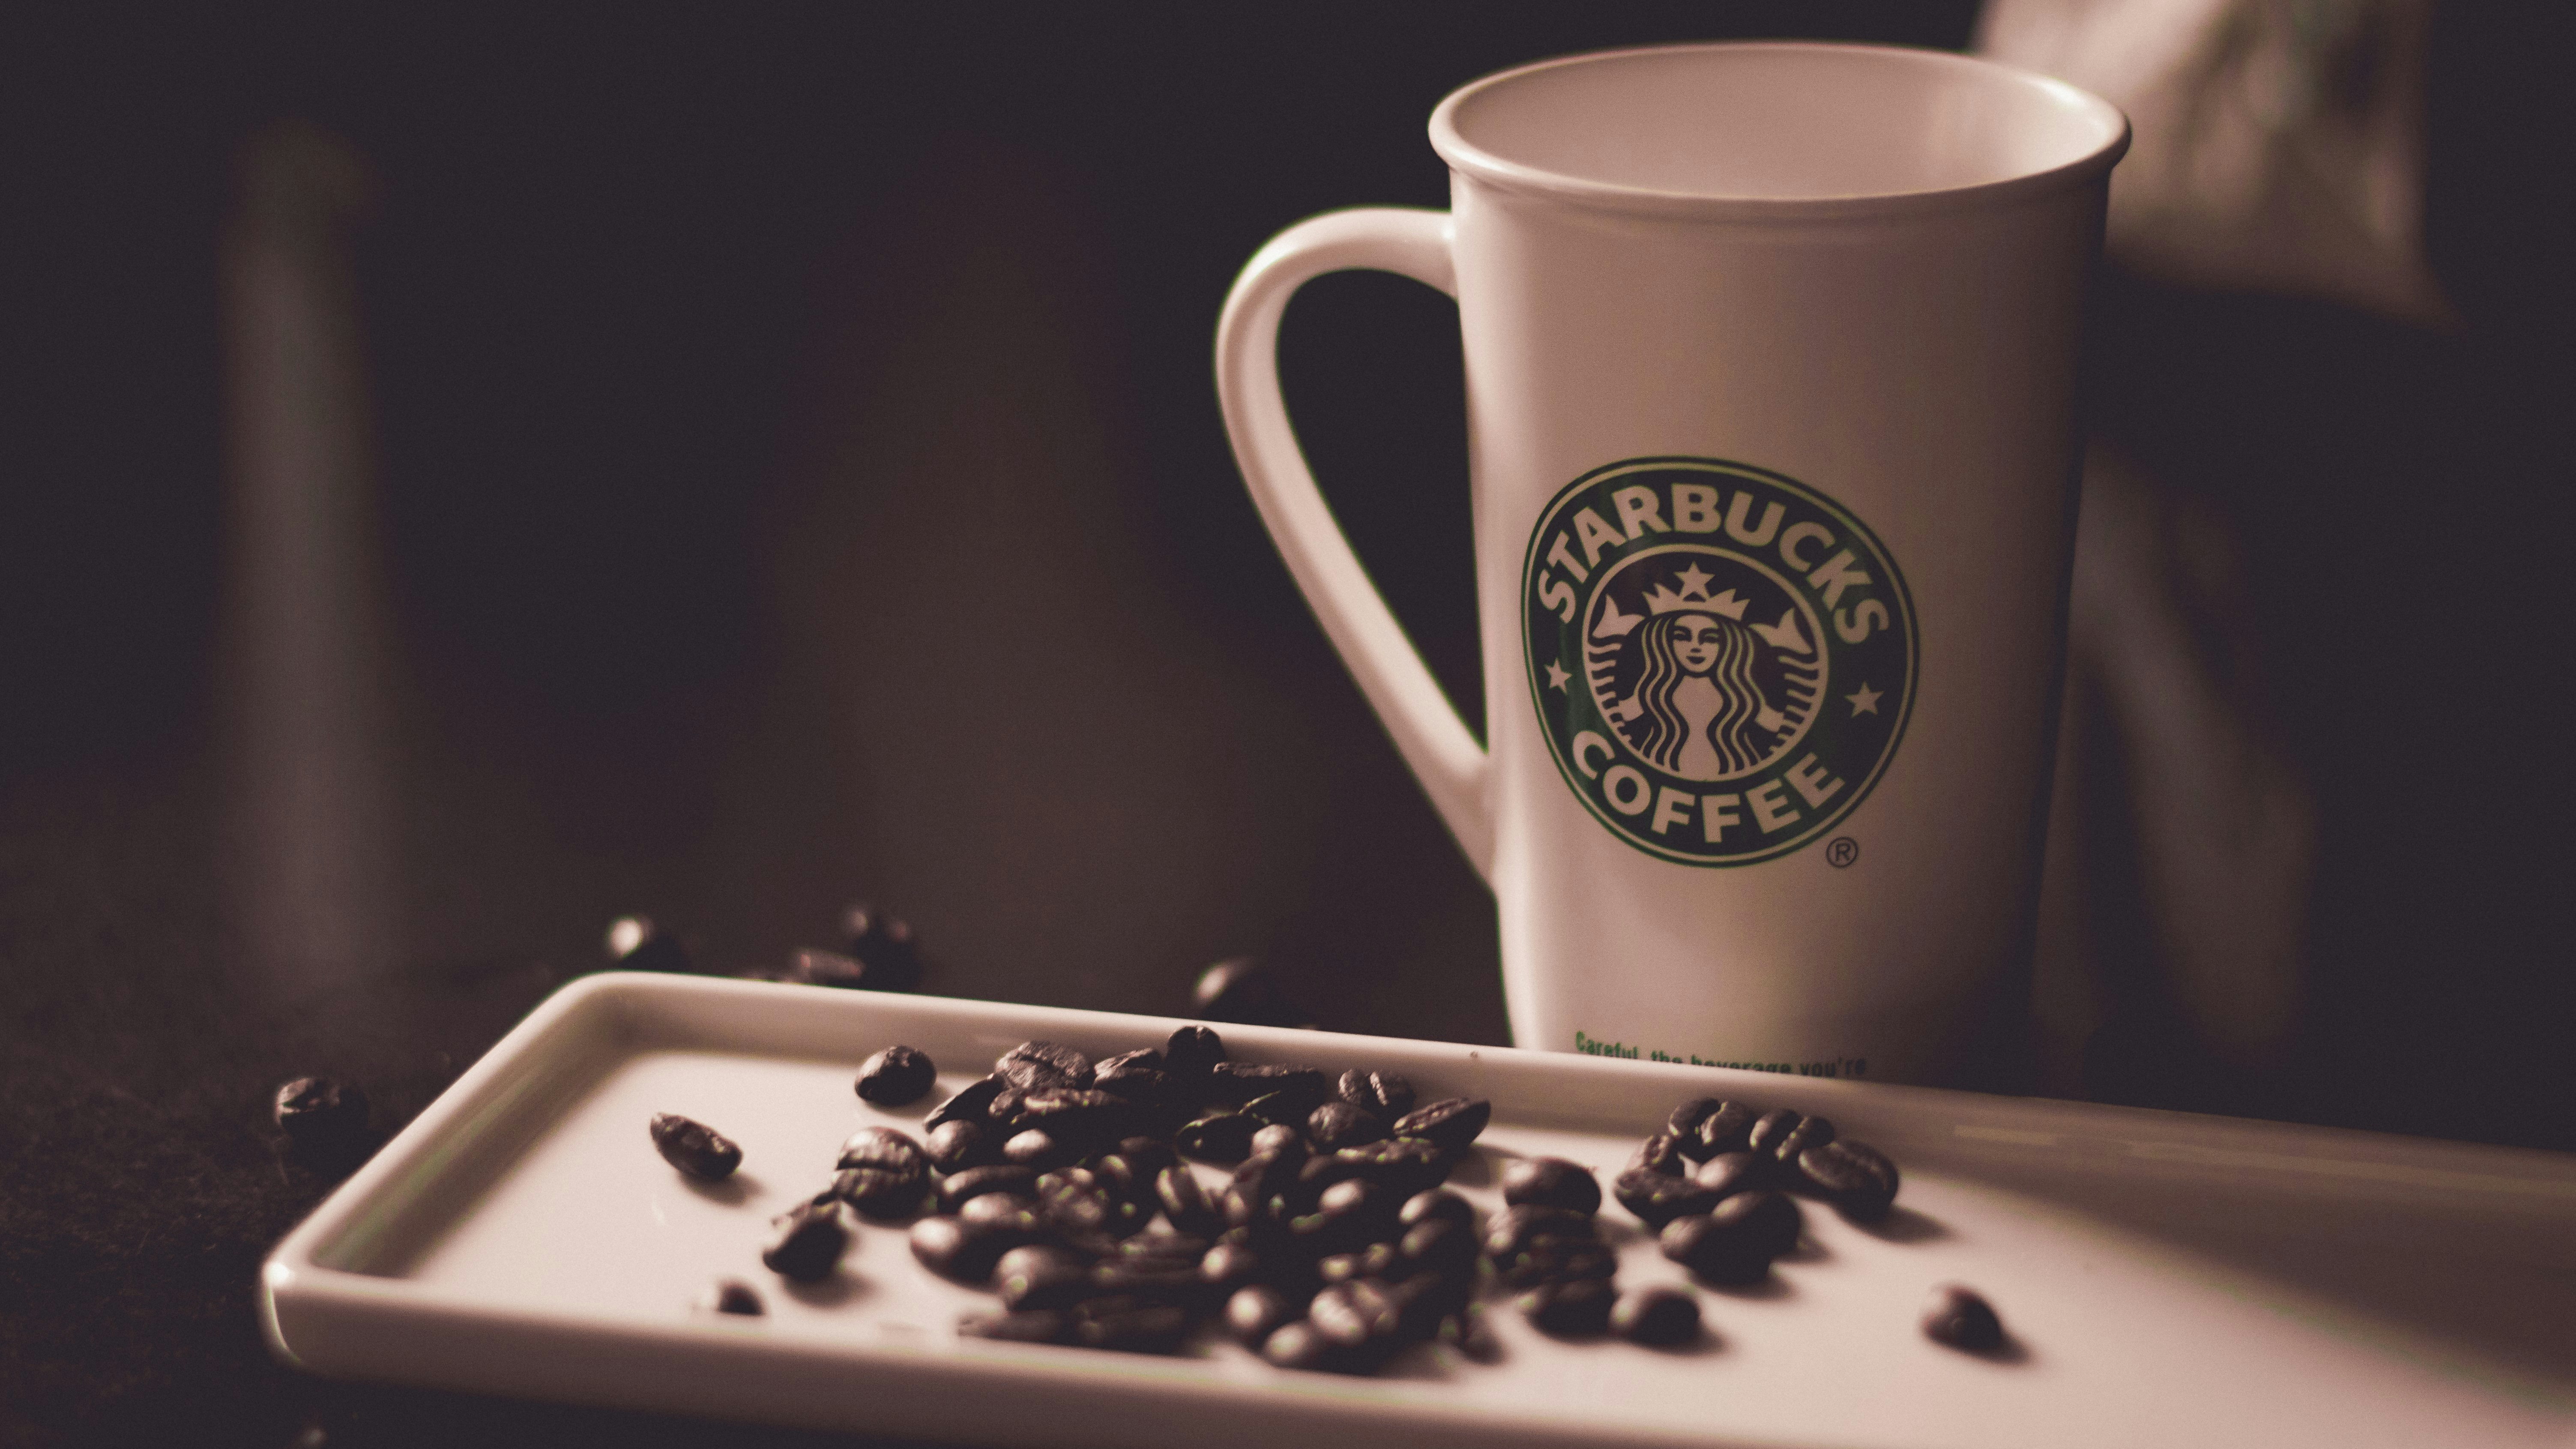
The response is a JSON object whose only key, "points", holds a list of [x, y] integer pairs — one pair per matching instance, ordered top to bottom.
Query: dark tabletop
{"points": [[791, 476]]}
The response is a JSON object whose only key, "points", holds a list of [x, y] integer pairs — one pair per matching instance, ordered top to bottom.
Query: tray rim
{"points": [[345, 1321]]}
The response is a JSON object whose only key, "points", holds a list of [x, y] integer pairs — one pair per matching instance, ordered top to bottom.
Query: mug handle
{"points": [[1409, 242]]}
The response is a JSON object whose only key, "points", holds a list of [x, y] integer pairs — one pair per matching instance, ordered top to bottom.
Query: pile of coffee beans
{"points": [[1064, 1186]]}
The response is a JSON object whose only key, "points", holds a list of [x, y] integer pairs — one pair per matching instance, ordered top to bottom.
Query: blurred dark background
{"points": [[790, 473]]}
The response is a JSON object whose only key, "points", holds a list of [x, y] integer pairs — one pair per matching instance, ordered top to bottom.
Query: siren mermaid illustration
{"points": [[1698, 711]]}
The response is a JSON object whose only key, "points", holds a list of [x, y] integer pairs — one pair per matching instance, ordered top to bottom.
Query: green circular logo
{"points": [[1722, 658]]}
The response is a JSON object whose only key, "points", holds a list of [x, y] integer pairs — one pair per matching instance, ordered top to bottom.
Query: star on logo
{"points": [[1694, 580], [1556, 676], [1864, 700]]}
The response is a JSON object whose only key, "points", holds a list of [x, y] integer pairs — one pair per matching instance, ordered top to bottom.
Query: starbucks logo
{"points": [[1722, 658]]}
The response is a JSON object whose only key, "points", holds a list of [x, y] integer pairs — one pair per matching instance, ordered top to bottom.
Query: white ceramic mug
{"points": [[1770, 356]]}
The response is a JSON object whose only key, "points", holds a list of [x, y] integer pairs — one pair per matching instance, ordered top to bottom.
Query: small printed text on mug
{"points": [[1831, 1067]]}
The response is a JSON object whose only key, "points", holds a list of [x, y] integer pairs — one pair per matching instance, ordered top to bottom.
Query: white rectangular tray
{"points": [[2168, 1279]]}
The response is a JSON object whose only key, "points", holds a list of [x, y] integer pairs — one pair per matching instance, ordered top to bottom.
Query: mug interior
{"points": [[1772, 124]]}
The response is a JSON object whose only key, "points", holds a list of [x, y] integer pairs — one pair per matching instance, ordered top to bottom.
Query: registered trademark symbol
{"points": [[1842, 851]]}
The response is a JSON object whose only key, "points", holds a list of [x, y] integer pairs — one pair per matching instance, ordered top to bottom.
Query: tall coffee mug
{"points": [[1770, 357]]}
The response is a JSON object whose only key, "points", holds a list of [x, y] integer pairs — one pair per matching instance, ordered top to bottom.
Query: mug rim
{"points": [[1470, 160]]}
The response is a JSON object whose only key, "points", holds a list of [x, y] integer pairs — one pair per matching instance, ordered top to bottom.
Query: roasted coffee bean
{"points": [[635, 943], [883, 944], [825, 968], [1240, 990], [1191, 1054], [1039, 1066], [1137, 1076], [896, 1077], [1299, 1090], [1382, 1095], [973, 1103], [1003, 1113], [1084, 1115], [1685, 1119], [325, 1123], [1451, 1123], [1336, 1125], [1728, 1128], [1779, 1136], [1222, 1137], [1279, 1139], [957, 1145], [695, 1148], [883, 1148], [1041, 1150], [1660, 1153], [1149, 1155], [1402, 1165], [1729, 1173], [1121, 1177], [1855, 1177], [1551, 1182], [959, 1188], [881, 1194], [1656, 1199], [1077, 1203], [1185, 1204], [1436, 1204], [1003, 1214], [1346, 1215], [1770, 1221], [1516, 1228], [807, 1242], [1735, 1243], [1439, 1245], [1160, 1247], [948, 1248], [1377, 1260], [1553, 1260], [1230, 1265], [1042, 1275], [1154, 1282], [733, 1297], [1569, 1308], [1254, 1312], [1355, 1314], [1656, 1316], [1957, 1316], [1034, 1327], [1146, 1328], [1301, 1345]]}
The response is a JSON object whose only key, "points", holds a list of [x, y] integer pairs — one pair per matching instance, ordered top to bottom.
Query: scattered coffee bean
{"points": [[635, 943], [883, 944], [825, 968], [1240, 990], [1191, 1054], [1037, 1066], [1138, 1076], [896, 1077], [1382, 1095], [973, 1103], [324, 1119], [1451, 1123], [1336, 1125], [1727, 1128], [1781, 1135], [1222, 1137], [1279, 1139], [956, 1145], [695, 1148], [1039, 1149], [1660, 1153], [1403, 1166], [1729, 1173], [1855, 1177], [1551, 1182], [959, 1188], [879, 1194], [1656, 1199], [1185, 1204], [1439, 1205], [1080, 1206], [1767, 1220], [1518, 1229], [1734, 1243], [806, 1244], [1439, 1245], [1042, 1276], [732, 1297], [1569, 1308], [1254, 1312], [1658, 1317], [1958, 1317], [1036, 1327], [1123, 1327], [1301, 1345]]}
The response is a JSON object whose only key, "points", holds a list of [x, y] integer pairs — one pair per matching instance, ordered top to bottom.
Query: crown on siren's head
{"points": [[1694, 596]]}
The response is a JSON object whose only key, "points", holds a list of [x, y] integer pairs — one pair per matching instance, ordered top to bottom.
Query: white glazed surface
{"points": [[1858, 267], [2167, 1279]]}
